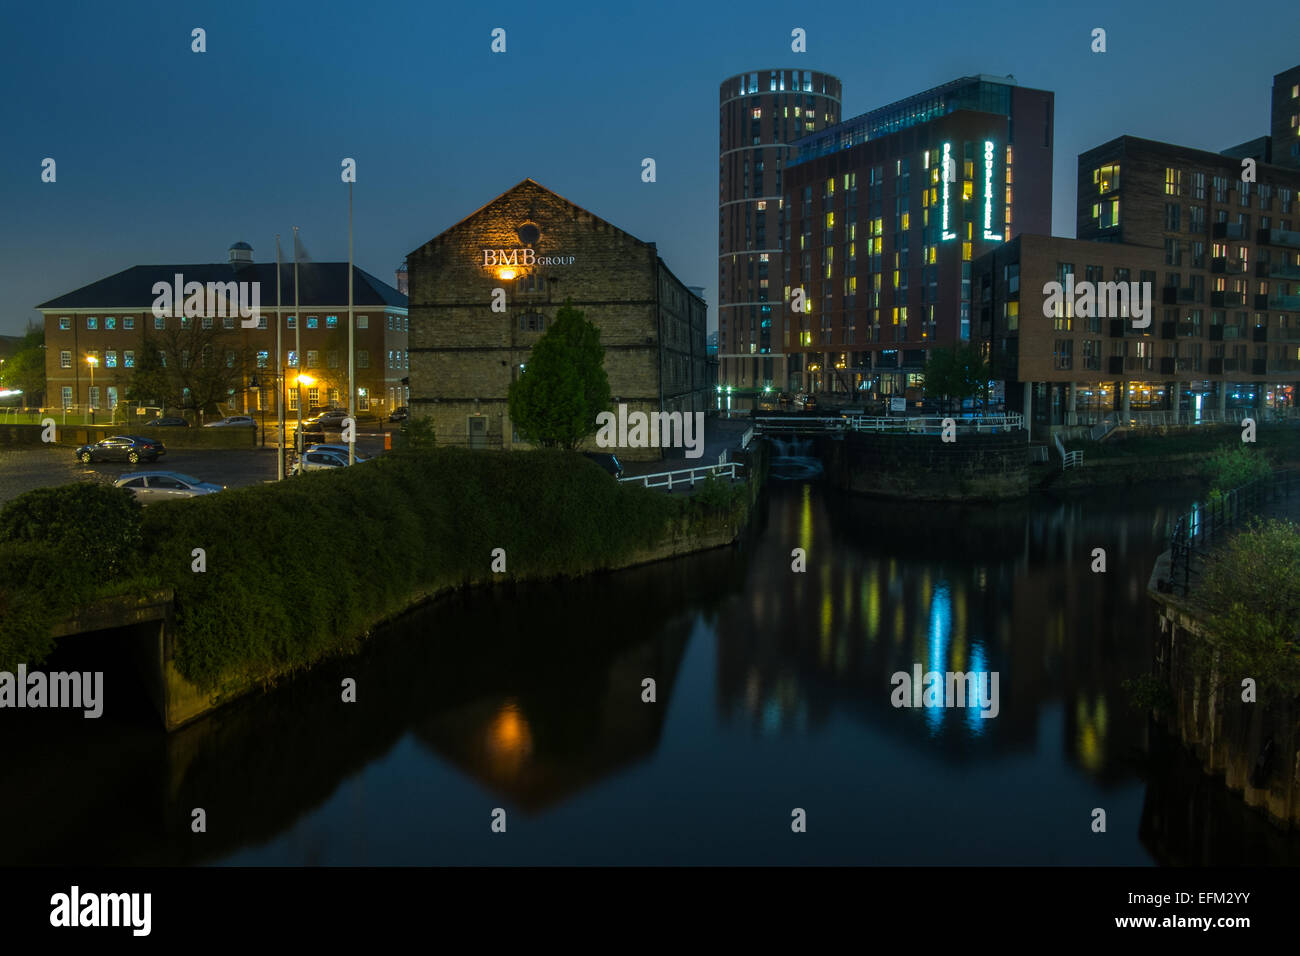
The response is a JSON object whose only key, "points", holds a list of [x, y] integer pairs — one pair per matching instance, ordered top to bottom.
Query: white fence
{"points": [[686, 476]]}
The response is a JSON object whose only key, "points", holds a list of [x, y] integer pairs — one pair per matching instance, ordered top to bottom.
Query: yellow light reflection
{"points": [[509, 740]]}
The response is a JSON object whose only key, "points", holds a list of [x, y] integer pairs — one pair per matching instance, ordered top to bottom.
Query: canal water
{"points": [[773, 693]]}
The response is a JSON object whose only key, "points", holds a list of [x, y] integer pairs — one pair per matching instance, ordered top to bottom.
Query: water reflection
{"points": [[773, 690]]}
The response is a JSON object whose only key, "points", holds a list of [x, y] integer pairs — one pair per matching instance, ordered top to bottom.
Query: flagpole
{"points": [[297, 350], [279, 367], [352, 383]]}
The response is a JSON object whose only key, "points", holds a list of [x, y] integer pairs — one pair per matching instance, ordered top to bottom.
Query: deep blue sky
{"points": [[165, 155]]}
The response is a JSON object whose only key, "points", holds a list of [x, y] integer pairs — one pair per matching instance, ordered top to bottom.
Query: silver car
{"points": [[233, 420], [340, 450], [320, 460], [151, 486]]}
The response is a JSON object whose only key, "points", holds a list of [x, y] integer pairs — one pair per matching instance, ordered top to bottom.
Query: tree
{"points": [[188, 365], [25, 369], [956, 373], [563, 386], [1252, 595]]}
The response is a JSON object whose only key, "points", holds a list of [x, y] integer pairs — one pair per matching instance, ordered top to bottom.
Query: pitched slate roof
{"points": [[319, 284]]}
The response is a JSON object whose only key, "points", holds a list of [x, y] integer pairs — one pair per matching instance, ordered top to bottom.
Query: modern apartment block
{"points": [[761, 114], [1285, 118], [883, 216], [541, 251], [98, 336]]}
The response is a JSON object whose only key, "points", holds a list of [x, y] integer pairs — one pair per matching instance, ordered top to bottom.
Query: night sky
{"points": [[168, 156]]}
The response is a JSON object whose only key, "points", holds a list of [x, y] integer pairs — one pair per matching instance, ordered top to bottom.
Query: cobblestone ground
{"points": [[23, 468]]}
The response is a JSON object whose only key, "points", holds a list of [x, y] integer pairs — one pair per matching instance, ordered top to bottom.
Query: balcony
{"points": [[1228, 230], [1278, 237], [1219, 264], [1278, 270], [1223, 299], [1261, 302], [1289, 302], [1233, 332], [1216, 333], [1259, 333], [1285, 335], [1115, 365], [1284, 365], [1167, 366], [1216, 366], [1258, 367]]}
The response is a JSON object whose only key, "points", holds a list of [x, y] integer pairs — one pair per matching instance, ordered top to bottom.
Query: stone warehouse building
{"points": [[541, 250]]}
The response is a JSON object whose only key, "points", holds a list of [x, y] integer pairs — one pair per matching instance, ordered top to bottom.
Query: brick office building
{"points": [[761, 114], [880, 243], [542, 250], [111, 322]]}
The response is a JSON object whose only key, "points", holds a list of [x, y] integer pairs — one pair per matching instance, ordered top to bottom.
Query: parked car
{"points": [[400, 414], [235, 421], [167, 423], [130, 448], [340, 450], [319, 461], [607, 461], [150, 486]]}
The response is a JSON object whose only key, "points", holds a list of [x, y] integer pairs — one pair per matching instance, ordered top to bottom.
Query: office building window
{"points": [[313, 321], [331, 321], [363, 321], [92, 322], [110, 322], [291, 322], [65, 323], [128, 323], [159, 323], [313, 357], [65, 358], [263, 358], [332, 358], [363, 358], [110, 359], [128, 359]]}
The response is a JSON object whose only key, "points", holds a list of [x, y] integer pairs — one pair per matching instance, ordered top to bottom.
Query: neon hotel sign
{"points": [[950, 174]]}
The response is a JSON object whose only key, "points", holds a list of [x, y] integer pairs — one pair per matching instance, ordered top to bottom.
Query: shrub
{"points": [[1235, 466], [94, 526], [38, 585], [1252, 595]]}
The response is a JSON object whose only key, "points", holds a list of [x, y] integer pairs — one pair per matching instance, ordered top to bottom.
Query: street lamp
{"points": [[92, 361]]}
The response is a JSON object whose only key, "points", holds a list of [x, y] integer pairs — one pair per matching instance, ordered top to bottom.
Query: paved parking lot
{"points": [[23, 468]]}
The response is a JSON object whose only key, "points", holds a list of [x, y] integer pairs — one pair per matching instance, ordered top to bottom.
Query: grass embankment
{"points": [[1282, 441], [299, 570]]}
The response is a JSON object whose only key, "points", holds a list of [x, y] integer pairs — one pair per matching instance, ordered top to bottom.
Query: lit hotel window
{"points": [[757, 113], [761, 205]]}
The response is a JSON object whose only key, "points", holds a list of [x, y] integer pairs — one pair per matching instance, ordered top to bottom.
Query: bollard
{"points": [[388, 441]]}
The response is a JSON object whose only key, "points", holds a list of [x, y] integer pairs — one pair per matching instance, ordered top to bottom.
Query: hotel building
{"points": [[881, 219]]}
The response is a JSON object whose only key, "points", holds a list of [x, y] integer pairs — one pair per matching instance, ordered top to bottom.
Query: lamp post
{"points": [[92, 361], [256, 386]]}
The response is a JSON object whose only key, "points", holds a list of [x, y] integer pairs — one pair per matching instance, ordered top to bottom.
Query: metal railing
{"points": [[934, 424], [1069, 459], [686, 476], [1195, 532]]}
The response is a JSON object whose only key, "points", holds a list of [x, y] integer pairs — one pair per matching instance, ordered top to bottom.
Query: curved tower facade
{"points": [[760, 115]]}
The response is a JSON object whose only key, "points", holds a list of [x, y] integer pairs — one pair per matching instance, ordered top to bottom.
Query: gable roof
{"points": [[531, 185], [319, 284]]}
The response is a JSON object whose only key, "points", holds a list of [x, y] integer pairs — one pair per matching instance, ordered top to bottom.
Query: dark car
{"points": [[400, 414], [167, 423], [130, 448], [609, 462]]}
